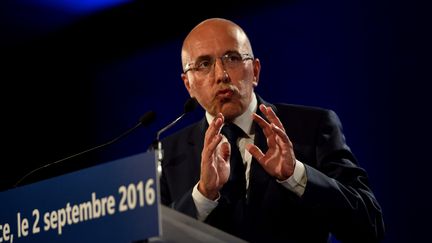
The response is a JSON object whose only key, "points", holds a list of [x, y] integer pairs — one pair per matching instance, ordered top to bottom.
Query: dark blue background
{"points": [[76, 74]]}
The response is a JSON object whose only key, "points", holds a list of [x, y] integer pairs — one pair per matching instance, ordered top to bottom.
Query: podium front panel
{"points": [[117, 201]]}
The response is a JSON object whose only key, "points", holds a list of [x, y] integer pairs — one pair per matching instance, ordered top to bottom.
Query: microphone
{"points": [[189, 106], [144, 120]]}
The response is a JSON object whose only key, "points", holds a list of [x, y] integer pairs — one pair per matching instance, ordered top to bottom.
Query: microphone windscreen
{"points": [[190, 105], [147, 118]]}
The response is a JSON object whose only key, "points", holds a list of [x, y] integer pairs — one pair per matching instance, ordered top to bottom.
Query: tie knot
{"points": [[232, 132]]}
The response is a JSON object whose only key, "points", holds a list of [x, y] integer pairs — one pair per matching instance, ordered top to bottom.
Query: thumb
{"points": [[225, 151]]}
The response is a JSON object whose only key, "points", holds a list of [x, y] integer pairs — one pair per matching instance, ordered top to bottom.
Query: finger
{"points": [[263, 109], [271, 116], [274, 118], [217, 124], [265, 126], [213, 129], [281, 133], [210, 148], [225, 151], [256, 153]]}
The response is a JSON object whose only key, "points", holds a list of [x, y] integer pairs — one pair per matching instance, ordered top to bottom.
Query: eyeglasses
{"points": [[205, 64]]}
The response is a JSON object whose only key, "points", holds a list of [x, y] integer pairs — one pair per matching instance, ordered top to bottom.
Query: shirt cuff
{"points": [[297, 181], [203, 205]]}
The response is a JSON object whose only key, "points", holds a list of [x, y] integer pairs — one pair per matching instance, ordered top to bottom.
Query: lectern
{"points": [[117, 201]]}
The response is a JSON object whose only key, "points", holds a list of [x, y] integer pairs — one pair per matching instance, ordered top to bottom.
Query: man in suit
{"points": [[287, 177]]}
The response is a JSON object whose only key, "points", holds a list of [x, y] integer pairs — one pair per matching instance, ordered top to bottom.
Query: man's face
{"points": [[220, 88]]}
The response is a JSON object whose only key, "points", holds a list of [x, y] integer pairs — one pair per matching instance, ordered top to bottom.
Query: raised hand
{"points": [[279, 160], [215, 166]]}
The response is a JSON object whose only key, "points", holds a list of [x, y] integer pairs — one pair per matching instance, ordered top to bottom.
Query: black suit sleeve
{"points": [[181, 169], [339, 188], [184, 203]]}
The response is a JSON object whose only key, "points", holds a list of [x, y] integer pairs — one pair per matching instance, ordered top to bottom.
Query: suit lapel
{"points": [[196, 141]]}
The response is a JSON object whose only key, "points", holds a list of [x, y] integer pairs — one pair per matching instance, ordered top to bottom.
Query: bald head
{"points": [[211, 34], [226, 89]]}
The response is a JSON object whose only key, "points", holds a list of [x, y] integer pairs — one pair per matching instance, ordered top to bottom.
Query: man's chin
{"points": [[231, 110]]}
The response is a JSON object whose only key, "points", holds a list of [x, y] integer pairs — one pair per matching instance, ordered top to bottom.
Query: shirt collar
{"points": [[244, 121]]}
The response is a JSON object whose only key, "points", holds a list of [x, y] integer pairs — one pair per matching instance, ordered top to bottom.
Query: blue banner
{"points": [[116, 201]]}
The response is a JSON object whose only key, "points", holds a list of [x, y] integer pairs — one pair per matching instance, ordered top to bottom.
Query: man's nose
{"points": [[221, 74]]}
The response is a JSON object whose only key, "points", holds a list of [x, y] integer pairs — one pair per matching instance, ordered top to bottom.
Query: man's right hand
{"points": [[215, 166]]}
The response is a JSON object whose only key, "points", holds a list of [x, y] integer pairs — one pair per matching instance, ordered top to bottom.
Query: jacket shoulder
{"points": [[300, 108], [302, 112], [184, 134]]}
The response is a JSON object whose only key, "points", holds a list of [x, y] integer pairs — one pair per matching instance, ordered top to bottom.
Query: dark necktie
{"points": [[235, 188]]}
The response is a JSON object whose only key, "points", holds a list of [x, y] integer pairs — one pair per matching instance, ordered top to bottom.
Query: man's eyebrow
{"points": [[230, 52], [202, 57]]}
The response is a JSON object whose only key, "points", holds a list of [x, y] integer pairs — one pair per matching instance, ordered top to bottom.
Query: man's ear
{"points": [[256, 70], [255, 82], [186, 83]]}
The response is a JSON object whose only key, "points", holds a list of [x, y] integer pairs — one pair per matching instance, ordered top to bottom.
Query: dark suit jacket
{"points": [[337, 199]]}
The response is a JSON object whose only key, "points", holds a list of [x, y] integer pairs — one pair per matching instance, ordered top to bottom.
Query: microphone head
{"points": [[190, 105], [147, 118]]}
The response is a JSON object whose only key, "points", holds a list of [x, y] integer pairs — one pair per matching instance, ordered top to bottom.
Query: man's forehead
{"points": [[214, 38], [214, 45]]}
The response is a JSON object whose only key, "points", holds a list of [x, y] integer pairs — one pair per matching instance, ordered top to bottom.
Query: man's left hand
{"points": [[279, 160]]}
